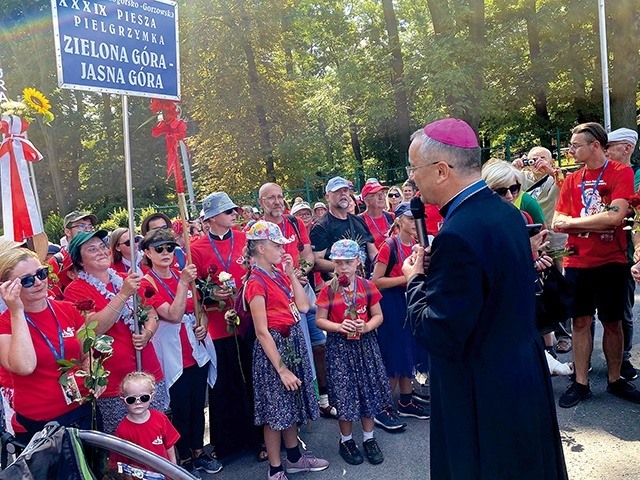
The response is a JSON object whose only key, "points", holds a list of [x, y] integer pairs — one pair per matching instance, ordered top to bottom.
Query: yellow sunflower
{"points": [[36, 100]]}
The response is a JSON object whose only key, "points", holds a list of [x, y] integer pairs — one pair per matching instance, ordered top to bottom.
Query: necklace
{"points": [[116, 282]]}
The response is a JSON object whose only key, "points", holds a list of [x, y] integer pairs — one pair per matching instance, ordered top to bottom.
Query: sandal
{"points": [[563, 345], [263, 455]]}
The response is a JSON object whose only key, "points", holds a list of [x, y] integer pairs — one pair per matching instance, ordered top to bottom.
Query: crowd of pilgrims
{"points": [[247, 324]]}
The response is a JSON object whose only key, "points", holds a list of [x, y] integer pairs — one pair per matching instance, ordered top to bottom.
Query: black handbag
{"points": [[553, 301]]}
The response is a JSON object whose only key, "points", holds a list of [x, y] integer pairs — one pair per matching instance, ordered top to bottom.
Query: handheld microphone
{"points": [[417, 209]]}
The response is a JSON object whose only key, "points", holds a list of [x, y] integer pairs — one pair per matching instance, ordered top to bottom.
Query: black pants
{"points": [[187, 408]]}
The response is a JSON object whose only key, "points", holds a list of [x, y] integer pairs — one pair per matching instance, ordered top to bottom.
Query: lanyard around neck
{"points": [[585, 201], [227, 265], [277, 279], [57, 355]]}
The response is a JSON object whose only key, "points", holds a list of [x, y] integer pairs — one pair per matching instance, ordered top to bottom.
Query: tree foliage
{"points": [[289, 90]]}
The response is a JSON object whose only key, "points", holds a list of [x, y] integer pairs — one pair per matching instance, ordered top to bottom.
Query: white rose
{"points": [[224, 277]]}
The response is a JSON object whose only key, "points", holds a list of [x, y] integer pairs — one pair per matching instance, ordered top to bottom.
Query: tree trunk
{"points": [[440, 16], [624, 26], [476, 41], [538, 79], [397, 81], [257, 100], [355, 140]]}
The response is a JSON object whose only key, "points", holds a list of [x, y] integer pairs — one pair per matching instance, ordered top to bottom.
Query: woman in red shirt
{"points": [[112, 295], [34, 333]]}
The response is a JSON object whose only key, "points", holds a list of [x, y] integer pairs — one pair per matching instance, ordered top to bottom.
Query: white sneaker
{"points": [[556, 367]]}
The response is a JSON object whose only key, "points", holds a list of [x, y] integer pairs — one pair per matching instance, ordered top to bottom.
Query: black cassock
{"points": [[492, 406]]}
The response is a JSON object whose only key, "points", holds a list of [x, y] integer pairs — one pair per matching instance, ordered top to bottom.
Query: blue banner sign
{"points": [[127, 47]]}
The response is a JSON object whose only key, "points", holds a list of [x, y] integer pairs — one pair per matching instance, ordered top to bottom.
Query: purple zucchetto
{"points": [[452, 131]]}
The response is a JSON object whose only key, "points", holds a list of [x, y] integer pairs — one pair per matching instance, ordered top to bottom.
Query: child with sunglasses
{"points": [[143, 426]]}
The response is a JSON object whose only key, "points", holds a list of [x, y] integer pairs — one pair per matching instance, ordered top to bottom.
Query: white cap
{"points": [[623, 135]]}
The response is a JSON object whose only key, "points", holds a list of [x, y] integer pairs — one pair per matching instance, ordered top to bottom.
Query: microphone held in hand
{"points": [[417, 209]]}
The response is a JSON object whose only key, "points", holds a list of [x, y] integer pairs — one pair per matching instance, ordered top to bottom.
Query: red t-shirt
{"points": [[616, 182], [434, 220], [379, 227], [294, 248], [401, 252], [227, 260], [61, 270], [161, 297], [278, 303], [339, 306], [123, 360], [38, 396], [156, 435]]}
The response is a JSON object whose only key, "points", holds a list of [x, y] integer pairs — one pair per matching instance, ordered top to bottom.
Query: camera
{"points": [[528, 162]]}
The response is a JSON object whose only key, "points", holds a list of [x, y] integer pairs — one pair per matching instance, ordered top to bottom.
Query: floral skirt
{"points": [[400, 351], [357, 382], [274, 404]]}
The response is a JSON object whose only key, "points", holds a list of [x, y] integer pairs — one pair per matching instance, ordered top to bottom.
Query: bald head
{"points": [[271, 200]]}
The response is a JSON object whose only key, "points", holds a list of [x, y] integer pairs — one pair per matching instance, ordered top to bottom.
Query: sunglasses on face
{"points": [[514, 189], [394, 195], [231, 211], [128, 242], [161, 248], [30, 280], [130, 400]]}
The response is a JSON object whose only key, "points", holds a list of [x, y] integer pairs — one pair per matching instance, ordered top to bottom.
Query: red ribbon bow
{"points": [[175, 131]]}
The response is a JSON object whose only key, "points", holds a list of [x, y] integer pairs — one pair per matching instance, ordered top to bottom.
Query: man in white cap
{"points": [[620, 146], [319, 210]]}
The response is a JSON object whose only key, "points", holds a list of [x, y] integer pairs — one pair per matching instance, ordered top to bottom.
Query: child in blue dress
{"points": [[348, 309], [400, 350], [284, 394]]}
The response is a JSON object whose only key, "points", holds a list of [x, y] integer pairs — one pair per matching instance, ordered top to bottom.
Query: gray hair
{"points": [[465, 160]]}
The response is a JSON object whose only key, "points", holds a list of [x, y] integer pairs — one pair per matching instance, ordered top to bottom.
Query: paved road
{"points": [[601, 438]]}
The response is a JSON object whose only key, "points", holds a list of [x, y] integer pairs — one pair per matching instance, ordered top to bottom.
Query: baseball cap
{"points": [[452, 131], [623, 135], [336, 183], [372, 186], [216, 203], [300, 206], [403, 209], [78, 215], [263, 230], [80, 239], [345, 250]]}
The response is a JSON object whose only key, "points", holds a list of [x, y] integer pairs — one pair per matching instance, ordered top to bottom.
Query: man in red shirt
{"points": [[591, 208], [378, 221], [222, 250], [60, 263]]}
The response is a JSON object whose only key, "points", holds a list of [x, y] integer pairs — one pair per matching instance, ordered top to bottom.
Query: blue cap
{"points": [[336, 183], [216, 203], [403, 209]]}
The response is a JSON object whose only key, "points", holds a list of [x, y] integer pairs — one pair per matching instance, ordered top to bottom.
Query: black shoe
{"points": [[628, 371], [572, 377], [625, 390], [576, 392], [421, 397], [388, 419], [372, 451], [350, 453], [207, 463], [191, 468]]}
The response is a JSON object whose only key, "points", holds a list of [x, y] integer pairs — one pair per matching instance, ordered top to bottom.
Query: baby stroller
{"points": [[57, 453]]}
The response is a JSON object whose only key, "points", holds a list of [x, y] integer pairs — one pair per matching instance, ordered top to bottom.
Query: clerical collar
{"points": [[448, 208], [220, 237]]}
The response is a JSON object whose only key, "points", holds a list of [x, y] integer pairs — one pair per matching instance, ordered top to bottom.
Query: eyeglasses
{"points": [[575, 146], [410, 170], [502, 191], [394, 195], [272, 198], [231, 211], [303, 215], [83, 227], [161, 227], [128, 242], [100, 247], [161, 248], [29, 281], [144, 398]]}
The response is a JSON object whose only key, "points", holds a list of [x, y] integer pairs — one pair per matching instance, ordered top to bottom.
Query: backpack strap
{"points": [[294, 223], [393, 255], [244, 298]]}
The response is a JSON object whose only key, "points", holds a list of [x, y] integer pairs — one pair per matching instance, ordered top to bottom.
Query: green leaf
{"points": [[92, 325], [65, 363], [63, 380], [103, 381]]}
